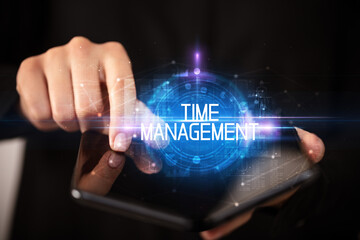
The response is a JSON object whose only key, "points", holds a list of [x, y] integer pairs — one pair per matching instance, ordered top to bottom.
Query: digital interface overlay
{"points": [[208, 122], [214, 134]]}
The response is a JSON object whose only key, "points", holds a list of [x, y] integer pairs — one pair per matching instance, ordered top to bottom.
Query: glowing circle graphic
{"points": [[196, 154]]}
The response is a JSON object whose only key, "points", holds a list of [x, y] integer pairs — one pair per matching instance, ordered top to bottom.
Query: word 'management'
{"points": [[201, 126]]}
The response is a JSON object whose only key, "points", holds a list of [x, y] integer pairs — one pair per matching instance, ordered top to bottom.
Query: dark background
{"points": [[309, 48]]}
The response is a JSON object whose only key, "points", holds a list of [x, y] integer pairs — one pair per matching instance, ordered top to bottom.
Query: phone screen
{"points": [[191, 199]]}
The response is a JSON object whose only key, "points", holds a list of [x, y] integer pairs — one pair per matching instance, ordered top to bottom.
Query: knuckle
{"points": [[78, 41], [79, 45], [114, 46], [53, 53], [30, 64], [26, 69], [129, 82], [130, 88], [89, 107], [99, 108], [89, 113], [40, 114], [83, 114], [63, 115], [41, 126]]}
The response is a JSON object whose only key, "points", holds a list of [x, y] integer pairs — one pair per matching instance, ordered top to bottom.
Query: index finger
{"points": [[122, 95]]}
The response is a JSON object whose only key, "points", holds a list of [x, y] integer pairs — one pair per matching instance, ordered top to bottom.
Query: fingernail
{"points": [[119, 143], [115, 160]]}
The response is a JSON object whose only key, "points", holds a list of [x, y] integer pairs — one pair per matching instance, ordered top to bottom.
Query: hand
{"points": [[79, 86], [312, 146]]}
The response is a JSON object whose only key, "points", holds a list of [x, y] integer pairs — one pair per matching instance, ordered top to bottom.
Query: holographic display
{"points": [[206, 120]]}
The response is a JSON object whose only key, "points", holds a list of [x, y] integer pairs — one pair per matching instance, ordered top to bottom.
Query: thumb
{"points": [[311, 144]]}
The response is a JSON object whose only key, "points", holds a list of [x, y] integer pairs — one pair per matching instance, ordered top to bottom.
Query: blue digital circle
{"points": [[193, 154]]}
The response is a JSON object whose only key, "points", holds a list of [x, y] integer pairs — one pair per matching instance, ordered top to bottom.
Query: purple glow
{"points": [[197, 59], [197, 71], [267, 127]]}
